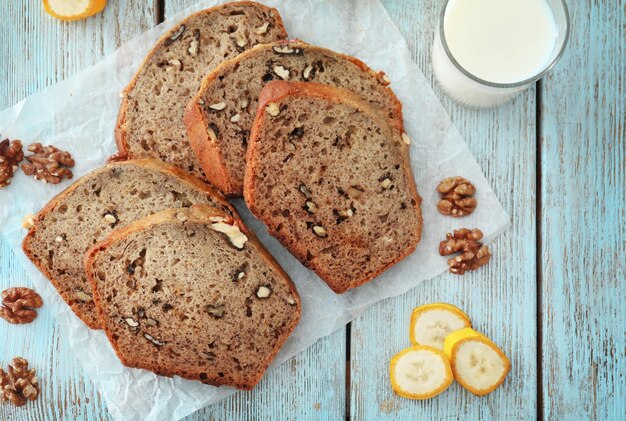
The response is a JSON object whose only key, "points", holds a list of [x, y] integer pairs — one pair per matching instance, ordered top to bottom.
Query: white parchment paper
{"points": [[79, 113]]}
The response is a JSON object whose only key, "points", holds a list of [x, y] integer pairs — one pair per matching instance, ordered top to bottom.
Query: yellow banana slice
{"points": [[73, 9], [431, 323], [477, 363], [420, 372]]}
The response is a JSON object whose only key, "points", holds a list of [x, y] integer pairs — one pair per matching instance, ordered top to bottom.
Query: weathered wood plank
{"points": [[37, 51], [583, 150], [583, 220], [500, 298], [309, 386]]}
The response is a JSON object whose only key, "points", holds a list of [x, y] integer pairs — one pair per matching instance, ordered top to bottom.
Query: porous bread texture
{"points": [[220, 116], [150, 120], [332, 182], [105, 199], [177, 297]]}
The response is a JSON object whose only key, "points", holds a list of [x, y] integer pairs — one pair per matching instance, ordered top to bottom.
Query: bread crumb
{"points": [[28, 222]]}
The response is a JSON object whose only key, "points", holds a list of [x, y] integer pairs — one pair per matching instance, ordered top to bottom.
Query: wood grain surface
{"points": [[583, 224], [552, 297], [499, 298]]}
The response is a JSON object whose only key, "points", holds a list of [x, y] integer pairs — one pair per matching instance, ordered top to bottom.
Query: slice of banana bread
{"points": [[219, 117], [150, 121], [332, 182], [107, 198], [191, 292]]}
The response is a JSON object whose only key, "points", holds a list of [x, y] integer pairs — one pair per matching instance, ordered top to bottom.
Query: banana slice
{"points": [[73, 9], [431, 323], [477, 363], [420, 372]]}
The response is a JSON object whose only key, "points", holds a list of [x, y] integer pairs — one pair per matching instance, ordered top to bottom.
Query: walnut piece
{"points": [[262, 29], [175, 36], [240, 40], [195, 43], [287, 49], [311, 70], [281, 71], [218, 106], [272, 109], [11, 154], [48, 164], [456, 197], [320, 231], [234, 234], [473, 253], [263, 292], [18, 304], [217, 310], [131, 322], [155, 341], [19, 384]]}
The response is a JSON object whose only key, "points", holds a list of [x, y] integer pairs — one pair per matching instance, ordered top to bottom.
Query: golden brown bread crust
{"points": [[275, 91], [120, 128], [206, 151], [210, 156], [155, 165], [199, 214]]}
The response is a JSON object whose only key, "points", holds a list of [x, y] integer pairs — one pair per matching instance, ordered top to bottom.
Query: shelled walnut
{"points": [[11, 154], [48, 163], [456, 197], [473, 253], [18, 305], [19, 384]]}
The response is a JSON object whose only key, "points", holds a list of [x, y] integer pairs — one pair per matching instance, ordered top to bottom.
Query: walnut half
{"points": [[11, 155], [48, 164], [457, 197], [473, 253], [18, 305], [19, 384]]}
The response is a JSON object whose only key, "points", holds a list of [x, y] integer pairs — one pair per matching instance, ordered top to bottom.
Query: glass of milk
{"points": [[488, 51]]}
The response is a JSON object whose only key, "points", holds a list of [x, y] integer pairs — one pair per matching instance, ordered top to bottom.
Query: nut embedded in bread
{"points": [[219, 118], [150, 121], [332, 182], [105, 199], [191, 292]]}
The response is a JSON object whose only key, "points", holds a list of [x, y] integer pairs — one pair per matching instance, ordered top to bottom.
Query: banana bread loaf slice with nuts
{"points": [[220, 116], [150, 121], [332, 182], [107, 198], [191, 292]]}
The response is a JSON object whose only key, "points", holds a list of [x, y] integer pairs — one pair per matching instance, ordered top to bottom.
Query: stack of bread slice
{"points": [[220, 117], [150, 121], [94, 206], [148, 251], [171, 273]]}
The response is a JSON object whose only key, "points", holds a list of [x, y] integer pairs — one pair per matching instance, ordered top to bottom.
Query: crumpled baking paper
{"points": [[79, 113]]}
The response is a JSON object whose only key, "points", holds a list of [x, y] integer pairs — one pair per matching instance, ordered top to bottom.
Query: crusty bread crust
{"points": [[275, 91], [120, 131], [206, 151], [210, 155], [152, 164], [198, 214]]}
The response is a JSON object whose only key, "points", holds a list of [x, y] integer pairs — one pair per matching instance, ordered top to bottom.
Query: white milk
{"points": [[498, 41]]}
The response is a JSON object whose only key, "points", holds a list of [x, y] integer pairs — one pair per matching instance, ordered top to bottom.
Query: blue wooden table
{"points": [[553, 296]]}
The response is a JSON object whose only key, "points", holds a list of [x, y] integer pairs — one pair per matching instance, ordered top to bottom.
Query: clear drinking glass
{"points": [[472, 91]]}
